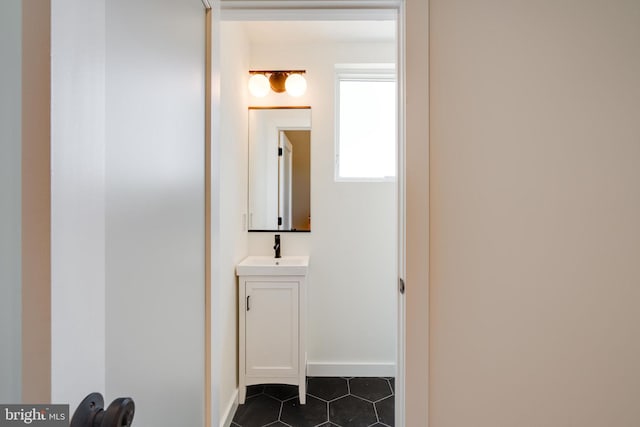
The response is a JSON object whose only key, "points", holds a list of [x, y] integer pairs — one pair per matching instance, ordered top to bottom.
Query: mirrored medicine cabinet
{"points": [[279, 169]]}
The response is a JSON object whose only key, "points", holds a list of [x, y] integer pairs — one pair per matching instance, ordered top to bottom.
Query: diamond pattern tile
{"points": [[327, 388], [371, 389], [254, 390], [281, 391], [331, 402], [385, 409], [258, 411], [351, 411], [313, 413]]}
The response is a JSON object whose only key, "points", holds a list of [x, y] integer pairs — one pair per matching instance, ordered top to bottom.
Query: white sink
{"points": [[270, 266]]}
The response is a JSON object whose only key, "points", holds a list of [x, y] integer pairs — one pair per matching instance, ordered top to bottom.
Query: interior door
{"points": [[285, 169]]}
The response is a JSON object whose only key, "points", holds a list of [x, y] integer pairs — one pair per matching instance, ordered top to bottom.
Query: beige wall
{"points": [[535, 201], [36, 202], [417, 214]]}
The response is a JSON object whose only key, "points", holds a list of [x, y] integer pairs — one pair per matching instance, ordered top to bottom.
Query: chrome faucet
{"points": [[277, 246]]}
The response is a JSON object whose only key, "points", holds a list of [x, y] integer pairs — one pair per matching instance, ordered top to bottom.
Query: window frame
{"points": [[378, 72]]}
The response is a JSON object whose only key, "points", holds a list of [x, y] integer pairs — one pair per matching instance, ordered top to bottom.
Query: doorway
{"points": [[293, 240]]}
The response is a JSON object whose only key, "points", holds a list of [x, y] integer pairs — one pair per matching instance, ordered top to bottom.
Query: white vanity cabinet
{"points": [[272, 347]]}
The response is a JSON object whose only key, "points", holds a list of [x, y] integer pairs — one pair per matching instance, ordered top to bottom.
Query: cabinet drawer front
{"points": [[271, 329]]}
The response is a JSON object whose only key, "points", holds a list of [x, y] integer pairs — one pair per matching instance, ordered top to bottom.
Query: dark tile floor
{"points": [[331, 402]]}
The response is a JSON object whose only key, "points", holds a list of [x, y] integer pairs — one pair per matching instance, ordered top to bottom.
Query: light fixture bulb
{"points": [[259, 85], [296, 85]]}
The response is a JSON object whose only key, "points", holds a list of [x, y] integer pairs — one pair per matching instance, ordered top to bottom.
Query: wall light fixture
{"points": [[291, 81]]}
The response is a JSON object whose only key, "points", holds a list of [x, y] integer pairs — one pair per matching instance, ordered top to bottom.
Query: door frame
{"points": [[218, 10], [284, 177]]}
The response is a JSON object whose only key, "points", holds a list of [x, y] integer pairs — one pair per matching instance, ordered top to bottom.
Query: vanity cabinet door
{"points": [[271, 329]]}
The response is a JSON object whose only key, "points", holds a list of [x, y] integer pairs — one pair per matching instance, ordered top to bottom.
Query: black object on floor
{"points": [[331, 402], [91, 412]]}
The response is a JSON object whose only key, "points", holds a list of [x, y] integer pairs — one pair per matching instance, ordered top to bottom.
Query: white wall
{"points": [[535, 145], [10, 200], [78, 200], [232, 205], [155, 208], [352, 245]]}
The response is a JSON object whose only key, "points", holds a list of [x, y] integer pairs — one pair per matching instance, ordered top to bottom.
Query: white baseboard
{"points": [[332, 369], [227, 415]]}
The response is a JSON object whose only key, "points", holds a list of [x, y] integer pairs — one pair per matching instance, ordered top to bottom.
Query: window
{"points": [[366, 123]]}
